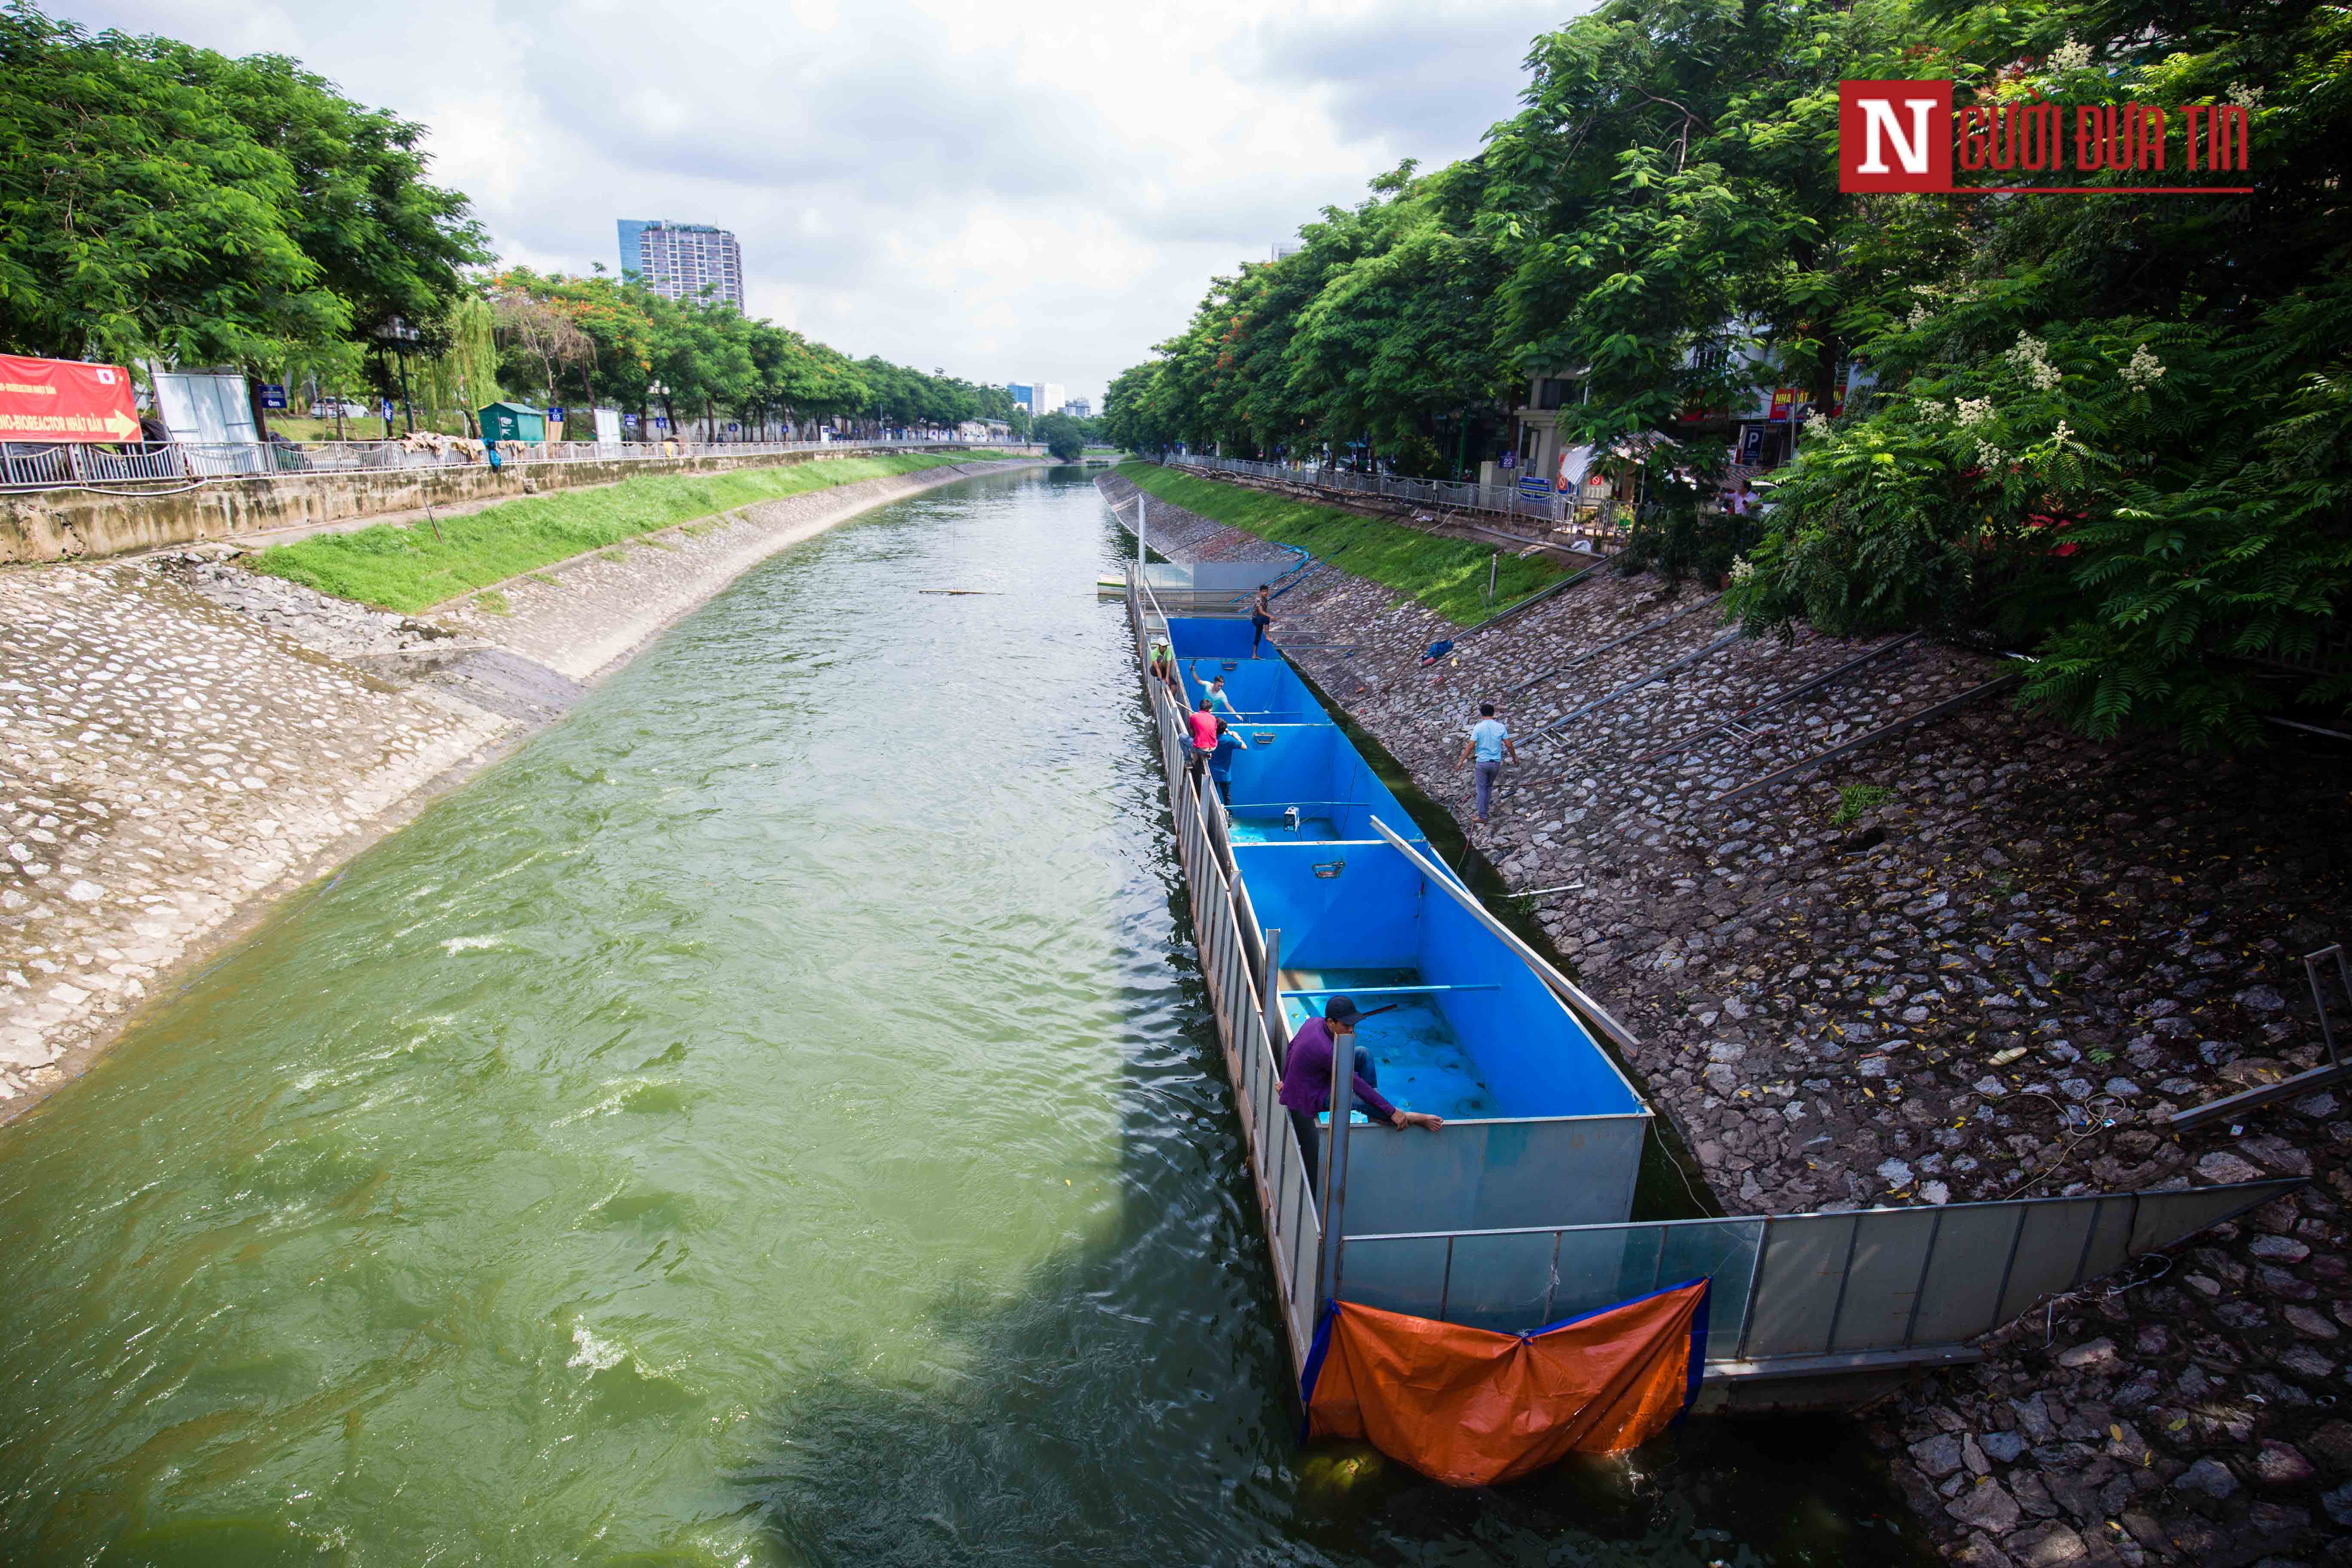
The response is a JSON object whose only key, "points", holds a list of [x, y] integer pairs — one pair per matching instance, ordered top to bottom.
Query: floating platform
{"points": [[1516, 1215]]}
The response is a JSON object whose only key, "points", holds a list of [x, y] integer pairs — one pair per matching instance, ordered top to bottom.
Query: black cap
{"points": [[1339, 1010]]}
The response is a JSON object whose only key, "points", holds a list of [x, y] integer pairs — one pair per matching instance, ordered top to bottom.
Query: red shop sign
{"points": [[65, 400]]}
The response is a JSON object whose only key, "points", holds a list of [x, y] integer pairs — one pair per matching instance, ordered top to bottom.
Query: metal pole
{"points": [[1335, 1172]]}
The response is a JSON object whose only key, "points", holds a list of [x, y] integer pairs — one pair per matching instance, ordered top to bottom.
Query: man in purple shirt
{"points": [[1305, 1087]]}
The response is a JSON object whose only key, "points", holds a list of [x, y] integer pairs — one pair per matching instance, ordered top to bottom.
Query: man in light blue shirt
{"points": [[1219, 703], [1489, 740]]}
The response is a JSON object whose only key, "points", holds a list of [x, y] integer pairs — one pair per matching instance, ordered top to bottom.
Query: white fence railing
{"points": [[27, 465], [1599, 519], [1250, 1022]]}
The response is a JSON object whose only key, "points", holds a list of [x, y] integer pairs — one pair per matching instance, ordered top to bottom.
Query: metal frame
{"points": [[50, 465], [1597, 520], [1659, 625], [1631, 687], [1805, 688], [1924, 716], [1587, 1012], [2336, 1069], [1774, 1298], [1790, 1324]]}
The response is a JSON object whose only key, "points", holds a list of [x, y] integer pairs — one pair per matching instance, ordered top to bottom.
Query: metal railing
{"points": [[48, 466], [1598, 521], [1248, 1012], [1893, 1284]]}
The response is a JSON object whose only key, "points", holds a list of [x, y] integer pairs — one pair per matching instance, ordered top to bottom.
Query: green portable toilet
{"points": [[512, 422]]}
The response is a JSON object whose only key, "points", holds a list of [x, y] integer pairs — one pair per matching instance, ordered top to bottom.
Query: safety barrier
{"points": [[36, 465], [1599, 520], [1242, 996], [1895, 1284]]}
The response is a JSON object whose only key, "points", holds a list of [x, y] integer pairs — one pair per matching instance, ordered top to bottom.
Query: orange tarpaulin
{"points": [[1471, 1407]]}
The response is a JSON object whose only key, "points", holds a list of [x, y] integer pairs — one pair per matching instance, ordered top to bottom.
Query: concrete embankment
{"points": [[91, 524], [182, 741], [1994, 974]]}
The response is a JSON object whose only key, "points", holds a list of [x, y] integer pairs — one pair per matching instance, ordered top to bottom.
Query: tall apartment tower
{"points": [[692, 261]]}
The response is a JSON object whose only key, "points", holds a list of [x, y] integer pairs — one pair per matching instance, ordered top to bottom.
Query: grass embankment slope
{"points": [[410, 567], [1447, 575]]}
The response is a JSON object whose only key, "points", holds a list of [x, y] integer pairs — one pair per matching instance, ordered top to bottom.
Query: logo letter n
{"points": [[1914, 117]]}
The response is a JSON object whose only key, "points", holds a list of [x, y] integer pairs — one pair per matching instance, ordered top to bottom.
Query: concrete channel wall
{"points": [[90, 524]]}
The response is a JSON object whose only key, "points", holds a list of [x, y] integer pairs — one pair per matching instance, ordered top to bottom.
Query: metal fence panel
{"points": [[2161, 1215], [2049, 1248], [1723, 1251], [1601, 1266], [1396, 1274], [1882, 1279], [1501, 1282], [1797, 1284], [1961, 1292]]}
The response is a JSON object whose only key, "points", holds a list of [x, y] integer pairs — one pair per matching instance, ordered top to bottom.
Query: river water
{"points": [[772, 1119]]}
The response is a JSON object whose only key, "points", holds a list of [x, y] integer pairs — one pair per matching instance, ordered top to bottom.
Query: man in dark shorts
{"points": [[1261, 618], [1221, 761]]}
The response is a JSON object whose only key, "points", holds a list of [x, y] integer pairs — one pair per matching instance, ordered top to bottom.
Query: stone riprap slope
{"points": [[181, 738], [163, 761], [1998, 982]]}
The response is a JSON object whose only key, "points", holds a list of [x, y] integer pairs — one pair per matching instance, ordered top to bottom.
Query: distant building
{"points": [[1283, 247], [691, 261], [1023, 398], [1049, 398], [1079, 408]]}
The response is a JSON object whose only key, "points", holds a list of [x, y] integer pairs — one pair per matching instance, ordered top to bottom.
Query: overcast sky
{"points": [[1011, 200]]}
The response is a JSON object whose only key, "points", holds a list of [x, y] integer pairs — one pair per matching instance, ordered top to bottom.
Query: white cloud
{"points": [[1041, 193]]}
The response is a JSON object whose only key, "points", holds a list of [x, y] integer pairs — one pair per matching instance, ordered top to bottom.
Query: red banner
{"points": [[65, 400]]}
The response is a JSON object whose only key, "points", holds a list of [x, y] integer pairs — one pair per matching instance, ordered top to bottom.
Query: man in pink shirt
{"points": [[1204, 727]]}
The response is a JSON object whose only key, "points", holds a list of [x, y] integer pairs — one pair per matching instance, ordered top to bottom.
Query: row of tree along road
{"points": [[296, 236], [2111, 430]]}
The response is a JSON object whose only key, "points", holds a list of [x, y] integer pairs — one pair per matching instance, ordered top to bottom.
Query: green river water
{"points": [[772, 1119]]}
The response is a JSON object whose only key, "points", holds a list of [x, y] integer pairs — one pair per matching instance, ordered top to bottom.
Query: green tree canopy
{"points": [[158, 200], [2115, 433]]}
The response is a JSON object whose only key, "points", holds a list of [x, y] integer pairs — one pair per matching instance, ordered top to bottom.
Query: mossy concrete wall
{"points": [[88, 524]]}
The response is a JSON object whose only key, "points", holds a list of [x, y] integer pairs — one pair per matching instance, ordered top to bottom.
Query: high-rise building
{"points": [[1287, 247], [693, 261], [1023, 398], [1049, 398], [1080, 408]]}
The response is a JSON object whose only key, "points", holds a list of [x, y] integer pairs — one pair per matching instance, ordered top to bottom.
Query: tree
{"points": [[163, 201], [2117, 433], [1063, 436]]}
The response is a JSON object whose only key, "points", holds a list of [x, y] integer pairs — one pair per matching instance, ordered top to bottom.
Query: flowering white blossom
{"points": [[2070, 55], [2246, 98], [1919, 317], [2031, 356], [2144, 370], [1934, 408], [1973, 411], [1817, 424], [2064, 434], [1989, 455], [1742, 570]]}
